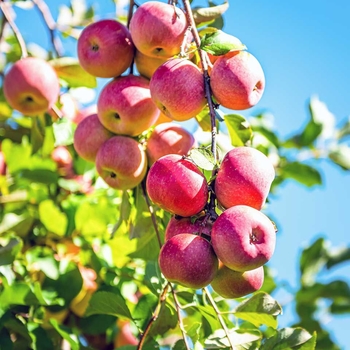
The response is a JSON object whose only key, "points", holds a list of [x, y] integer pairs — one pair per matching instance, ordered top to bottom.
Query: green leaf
{"points": [[207, 14], [219, 43], [69, 70], [203, 119], [239, 129], [63, 132], [342, 132], [37, 136], [340, 155], [203, 158], [303, 173], [52, 217], [20, 224], [9, 252], [338, 256], [18, 293], [108, 303], [144, 308], [260, 309], [66, 334], [288, 338]]}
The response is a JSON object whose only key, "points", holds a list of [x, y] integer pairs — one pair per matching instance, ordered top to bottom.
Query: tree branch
{"points": [[7, 15]]}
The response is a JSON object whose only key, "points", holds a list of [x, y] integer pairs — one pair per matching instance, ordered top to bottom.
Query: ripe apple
{"points": [[157, 29], [105, 48], [147, 65], [237, 80], [31, 86], [177, 88], [125, 106], [68, 107], [85, 112], [89, 135], [168, 138], [64, 160], [121, 162], [2, 164], [244, 177], [176, 185], [185, 225], [243, 238], [188, 260], [232, 284], [124, 335]]}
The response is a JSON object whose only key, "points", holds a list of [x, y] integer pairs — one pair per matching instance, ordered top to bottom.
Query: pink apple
{"points": [[157, 29], [105, 48], [237, 80], [31, 86], [177, 88], [125, 106], [85, 112], [89, 135], [168, 138], [121, 162], [2, 164], [244, 177], [176, 185], [185, 225], [243, 238], [188, 260], [232, 284]]}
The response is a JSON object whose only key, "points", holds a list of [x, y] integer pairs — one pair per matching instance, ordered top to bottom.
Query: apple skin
{"points": [[157, 30], [105, 48], [147, 65], [237, 80], [31, 86], [186, 97], [125, 106], [85, 112], [163, 119], [89, 135], [168, 138], [64, 160], [121, 162], [2, 164], [244, 177], [176, 185], [185, 225], [243, 238], [188, 260], [232, 284], [124, 335]]}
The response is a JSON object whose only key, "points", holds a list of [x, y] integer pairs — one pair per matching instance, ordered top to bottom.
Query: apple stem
{"points": [[7, 15], [51, 26], [204, 62], [219, 316]]}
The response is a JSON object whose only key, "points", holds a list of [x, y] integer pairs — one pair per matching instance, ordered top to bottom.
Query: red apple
{"points": [[157, 29], [105, 48], [147, 65], [237, 80], [31, 86], [177, 88], [125, 106], [85, 112], [89, 135], [168, 138], [64, 160], [121, 162], [2, 164], [244, 177], [176, 185], [185, 225], [243, 238], [188, 260], [234, 284], [124, 335]]}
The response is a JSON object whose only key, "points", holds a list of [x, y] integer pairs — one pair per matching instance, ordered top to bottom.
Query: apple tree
{"points": [[120, 228]]}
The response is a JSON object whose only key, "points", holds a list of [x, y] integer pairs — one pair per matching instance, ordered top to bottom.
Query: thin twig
{"points": [[130, 12], [51, 25], [16, 32], [183, 53], [204, 63], [161, 302], [219, 316]]}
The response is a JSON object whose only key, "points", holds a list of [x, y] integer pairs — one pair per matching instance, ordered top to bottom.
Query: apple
{"points": [[157, 29], [105, 48], [147, 65], [237, 80], [31, 86], [177, 88], [125, 106], [68, 107], [84, 112], [163, 119], [89, 135], [168, 138], [64, 160], [121, 162], [2, 164], [244, 177], [176, 185], [185, 225], [243, 238], [189, 260], [232, 284], [125, 335]]}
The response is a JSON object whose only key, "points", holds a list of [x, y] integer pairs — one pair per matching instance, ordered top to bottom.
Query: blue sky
{"points": [[304, 48]]}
